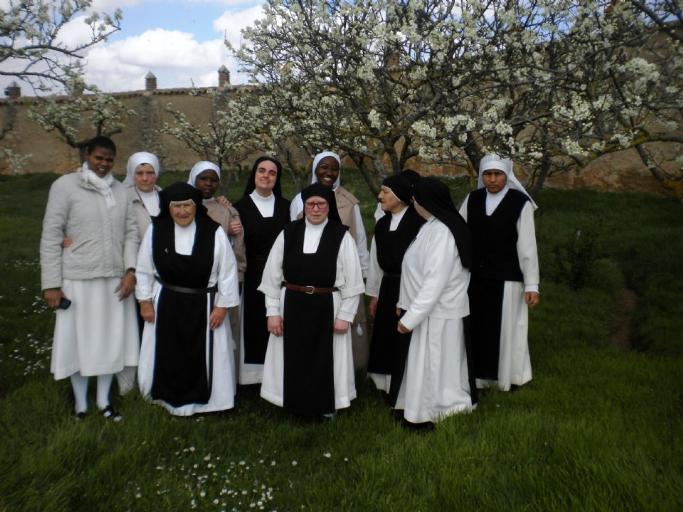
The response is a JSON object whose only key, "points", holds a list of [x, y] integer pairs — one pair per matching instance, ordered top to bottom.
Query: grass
{"points": [[597, 429]]}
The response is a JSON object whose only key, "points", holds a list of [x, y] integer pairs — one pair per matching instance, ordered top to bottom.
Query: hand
{"points": [[223, 201], [235, 227], [67, 242], [126, 285], [52, 296], [532, 298], [372, 308], [147, 311], [217, 317], [275, 325], [340, 326], [402, 328]]}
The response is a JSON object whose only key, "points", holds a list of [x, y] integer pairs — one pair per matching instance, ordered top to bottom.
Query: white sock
{"points": [[103, 385], [80, 387]]}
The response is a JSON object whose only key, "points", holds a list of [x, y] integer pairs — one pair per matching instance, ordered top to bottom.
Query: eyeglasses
{"points": [[321, 205]]}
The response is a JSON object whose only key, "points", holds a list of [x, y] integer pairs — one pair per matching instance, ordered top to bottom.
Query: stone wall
{"points": [[622, 171]]}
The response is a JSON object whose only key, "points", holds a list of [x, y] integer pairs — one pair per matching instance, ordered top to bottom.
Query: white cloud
{"points": [[231, 23]]}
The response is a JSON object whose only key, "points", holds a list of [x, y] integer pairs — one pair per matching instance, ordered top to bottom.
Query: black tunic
{"points": [[259, 234], [495, 260], [309, 320], [389, 348], [181, 375]]}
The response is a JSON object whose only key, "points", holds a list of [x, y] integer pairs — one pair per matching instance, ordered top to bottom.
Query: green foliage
{"points": [[575, 258], [597, 429]]}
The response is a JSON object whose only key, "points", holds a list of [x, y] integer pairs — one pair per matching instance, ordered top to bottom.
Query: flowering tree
{"points": [[32, 46], [554, 83], [76, 118], [228, 137]]}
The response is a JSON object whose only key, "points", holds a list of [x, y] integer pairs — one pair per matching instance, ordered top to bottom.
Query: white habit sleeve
{"points": [[362, 241], [526, 248], [442, 255], [144, 268], [375, 272], [271, 282], [351, 287], [228, 289]]}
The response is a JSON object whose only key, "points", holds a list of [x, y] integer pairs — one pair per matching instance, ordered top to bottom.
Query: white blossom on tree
{"points": [[553, 83], [79, 117]]}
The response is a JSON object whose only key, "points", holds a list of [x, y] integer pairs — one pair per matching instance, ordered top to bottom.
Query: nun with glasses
{"points": [[326, 171], [394, 233], [505, 275], [187, 280], [312, 283], [433, 304]]}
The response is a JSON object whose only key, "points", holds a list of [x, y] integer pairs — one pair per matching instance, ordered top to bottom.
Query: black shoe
{"points": [[110, 414], [80, 416], [421, 428]]}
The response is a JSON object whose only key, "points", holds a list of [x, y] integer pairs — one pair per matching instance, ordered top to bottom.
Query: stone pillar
{"points": [[223, 77], [150, 82], [13, 91]]}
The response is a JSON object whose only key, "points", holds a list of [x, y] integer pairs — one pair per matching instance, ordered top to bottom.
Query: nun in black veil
{"points": [[264, 213], [186, 280], [312, 282], [437, 381]]}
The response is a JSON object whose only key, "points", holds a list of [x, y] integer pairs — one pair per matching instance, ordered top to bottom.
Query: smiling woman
{"points": [[97, 334]]}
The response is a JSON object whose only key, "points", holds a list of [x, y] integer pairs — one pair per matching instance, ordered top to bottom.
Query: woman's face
{"points": [[100, 161], [327, 171], [144, 177], [265, 177], [494, 180], [207, 183], [388, 200], [316, 209], [421, 211], [182, 212]]}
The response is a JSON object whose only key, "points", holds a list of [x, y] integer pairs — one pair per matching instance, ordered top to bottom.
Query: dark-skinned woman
{"points": [[264, 213], [187, 280], [96, 334]]}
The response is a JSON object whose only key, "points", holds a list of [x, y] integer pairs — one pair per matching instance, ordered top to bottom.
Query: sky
{"points": [[180, 41]]}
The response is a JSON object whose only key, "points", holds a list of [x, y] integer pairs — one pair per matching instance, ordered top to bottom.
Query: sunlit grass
{"points": [[597, 429]]}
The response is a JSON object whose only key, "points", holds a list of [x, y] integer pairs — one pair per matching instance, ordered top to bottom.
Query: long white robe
{"points": [[224, 275], [349, 281], [434, 295], [514, 362]]}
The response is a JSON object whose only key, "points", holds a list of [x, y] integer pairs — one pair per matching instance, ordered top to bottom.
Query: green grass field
{"points": [[599, 428]]}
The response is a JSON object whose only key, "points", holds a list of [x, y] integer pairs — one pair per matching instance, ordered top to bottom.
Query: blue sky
{"points": [[180, 41]]}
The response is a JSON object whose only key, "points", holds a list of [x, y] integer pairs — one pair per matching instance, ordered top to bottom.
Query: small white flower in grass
{"points": [[191, 448], [327, 455], [208, 457], [242, 463], [273, 463], [294, 463], [202, 494], [138, 495], [216, 502]]}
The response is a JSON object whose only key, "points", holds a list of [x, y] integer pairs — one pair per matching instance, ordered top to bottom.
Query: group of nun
{"points": [[191, 295]]}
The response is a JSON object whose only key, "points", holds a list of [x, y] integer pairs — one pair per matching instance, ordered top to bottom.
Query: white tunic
{"points": [[224, 275], [349, 281], [434, 294], [514, 362]]}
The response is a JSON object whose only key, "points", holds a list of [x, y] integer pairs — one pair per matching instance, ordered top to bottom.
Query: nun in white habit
{"points": [[326, 171], [505, 275], [187, 278], [312, 282], [437, 381]]}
